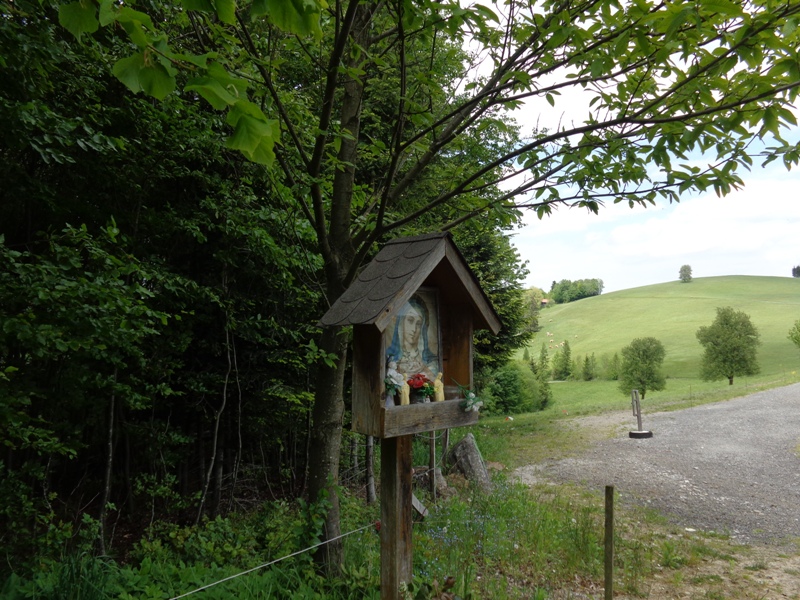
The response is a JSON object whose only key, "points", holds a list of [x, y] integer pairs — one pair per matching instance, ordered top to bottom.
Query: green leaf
{"points": [[198, 5], [258, 8], [226, 11], [107, 13], [128, 15], [300, 17], [78, 18], [137, 33], [198, 60], [127, 71], [156, 81], [235, 85], [212, 91], [248, 134], [254, 135]]}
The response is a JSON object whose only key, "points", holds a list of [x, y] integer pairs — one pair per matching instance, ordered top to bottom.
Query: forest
{"points": [[188, 186], [159, 299]]}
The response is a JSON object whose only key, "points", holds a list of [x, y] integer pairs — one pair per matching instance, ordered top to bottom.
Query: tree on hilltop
{"points": [[373, 121], [796, 271], [685, 274], [730, 344], [641, 366]]}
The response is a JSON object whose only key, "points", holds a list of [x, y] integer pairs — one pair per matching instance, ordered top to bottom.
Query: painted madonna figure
{"points": [[411, 346]]}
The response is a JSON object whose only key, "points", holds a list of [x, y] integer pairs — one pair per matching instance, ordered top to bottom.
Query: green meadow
{"points": [[672, 312]]}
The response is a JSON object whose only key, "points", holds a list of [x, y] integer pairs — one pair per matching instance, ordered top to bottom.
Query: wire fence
{"points": [[272, 562]]}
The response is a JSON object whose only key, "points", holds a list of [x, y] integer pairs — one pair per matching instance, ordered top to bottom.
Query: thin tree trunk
{"points": [[112, 409], [215, 440], [238, 458]]}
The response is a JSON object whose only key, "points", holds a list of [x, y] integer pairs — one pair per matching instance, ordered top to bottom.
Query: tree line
{"points": [[568, 291]]}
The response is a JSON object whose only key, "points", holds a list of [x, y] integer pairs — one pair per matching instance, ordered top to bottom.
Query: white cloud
{"points": [[755, 231]]}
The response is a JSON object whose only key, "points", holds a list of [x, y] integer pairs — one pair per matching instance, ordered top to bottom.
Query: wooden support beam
{"points": [[396, 516]]}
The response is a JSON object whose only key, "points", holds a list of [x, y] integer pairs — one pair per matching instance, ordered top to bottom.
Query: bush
{"points": [[514, 389]]}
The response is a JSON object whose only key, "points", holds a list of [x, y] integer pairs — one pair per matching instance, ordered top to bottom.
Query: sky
{"points": [[752, 231], [755, 231]]}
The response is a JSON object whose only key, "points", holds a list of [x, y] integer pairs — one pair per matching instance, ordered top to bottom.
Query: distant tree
{"points": [[796, 271], [685, 273], [568, 291], [794, 334], [730, 344], [526, 355], [544, 359], [562, 363], [641, 366], [610, 367], [589, 370]]}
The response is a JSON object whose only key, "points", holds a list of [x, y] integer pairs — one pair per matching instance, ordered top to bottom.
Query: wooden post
{"points": [[637, 408], [432, 465], [396, 517], [609, 543]]}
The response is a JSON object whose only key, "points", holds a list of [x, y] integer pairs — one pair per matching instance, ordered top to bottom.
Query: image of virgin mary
{"points": [[410, 347]]}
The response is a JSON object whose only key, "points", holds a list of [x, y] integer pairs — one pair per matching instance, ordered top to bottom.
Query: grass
{"points": [[672, 313]]}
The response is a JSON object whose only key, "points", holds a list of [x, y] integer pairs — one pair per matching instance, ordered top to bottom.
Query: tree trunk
{"points": [[730, 380], [112, 409], [326, 439]]}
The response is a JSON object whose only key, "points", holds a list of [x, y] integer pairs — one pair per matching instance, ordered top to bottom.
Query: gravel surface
{"points": [[731, 467]]}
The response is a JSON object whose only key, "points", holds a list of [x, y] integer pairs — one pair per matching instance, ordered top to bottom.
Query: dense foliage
{"points": [[685, 274], [569, 291], [158, 304], [794, 334], [730, 345], [640, 368]]}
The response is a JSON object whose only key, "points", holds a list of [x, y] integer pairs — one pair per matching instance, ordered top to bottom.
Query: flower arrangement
{"points": [[421, 385], [470, 403]]}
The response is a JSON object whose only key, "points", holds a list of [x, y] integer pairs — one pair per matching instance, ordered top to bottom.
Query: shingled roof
{"points": [[398, 270]]}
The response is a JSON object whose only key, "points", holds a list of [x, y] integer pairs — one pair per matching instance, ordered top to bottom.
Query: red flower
{"points": [[418, 381]]}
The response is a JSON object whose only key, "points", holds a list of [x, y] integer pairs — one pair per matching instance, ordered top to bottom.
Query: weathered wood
{"points": [[457, 332], [368, 373], [421, 418], [466, 457], [369, 460], [432, 464], [419, 506], [396, 517], [609, 544]]}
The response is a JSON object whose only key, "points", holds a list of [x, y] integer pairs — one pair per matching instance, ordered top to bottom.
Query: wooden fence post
{"points": [[609, 543]]}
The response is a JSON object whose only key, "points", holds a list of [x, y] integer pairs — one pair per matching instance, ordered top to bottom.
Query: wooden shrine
{"points": [[413, 309]]}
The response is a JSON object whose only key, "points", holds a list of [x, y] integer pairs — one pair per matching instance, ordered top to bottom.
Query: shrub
{"points": [[514, 389]]}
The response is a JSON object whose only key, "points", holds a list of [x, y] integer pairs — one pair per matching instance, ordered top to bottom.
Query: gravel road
{"points": [[731, 467]]}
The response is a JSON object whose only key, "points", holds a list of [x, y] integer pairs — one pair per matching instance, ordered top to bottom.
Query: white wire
{"points": [[205, 587]]}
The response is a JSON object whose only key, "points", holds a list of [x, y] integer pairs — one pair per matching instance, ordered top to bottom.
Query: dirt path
{"points": [[731, 467]]}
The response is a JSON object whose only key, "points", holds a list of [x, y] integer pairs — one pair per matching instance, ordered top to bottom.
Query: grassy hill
{"points": [[672, 312]]}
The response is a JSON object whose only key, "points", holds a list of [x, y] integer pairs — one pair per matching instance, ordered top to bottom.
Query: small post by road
{"points": [[637, 412], [609, 544]]}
